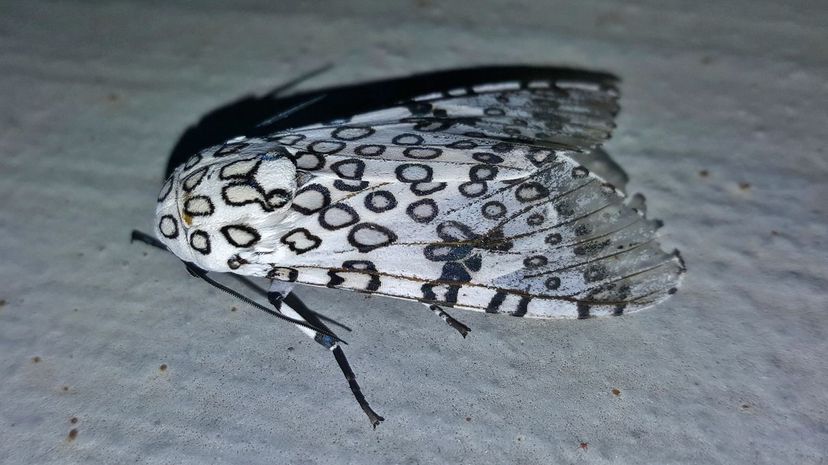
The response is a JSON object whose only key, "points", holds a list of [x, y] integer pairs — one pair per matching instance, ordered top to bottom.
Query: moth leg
{"points": [[276, 295], [289, 299], [460, 327]]}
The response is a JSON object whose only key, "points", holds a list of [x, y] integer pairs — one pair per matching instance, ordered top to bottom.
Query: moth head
{"points": [[222, 203]]}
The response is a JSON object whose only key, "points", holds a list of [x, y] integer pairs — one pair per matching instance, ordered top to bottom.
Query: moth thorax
{"points": [[210, 212]]}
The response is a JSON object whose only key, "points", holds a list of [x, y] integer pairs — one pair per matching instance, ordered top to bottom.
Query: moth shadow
{"points": [[244, 116]]}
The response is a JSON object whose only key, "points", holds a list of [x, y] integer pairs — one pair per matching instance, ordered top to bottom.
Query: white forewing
{"points": [[455, 133], [467, 198]]}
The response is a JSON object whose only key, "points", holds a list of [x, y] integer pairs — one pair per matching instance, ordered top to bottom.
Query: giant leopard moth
{"points": [[455, 189]]}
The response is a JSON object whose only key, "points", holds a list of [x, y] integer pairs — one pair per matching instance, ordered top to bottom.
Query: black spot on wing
{"points": [[351, 168], [380, 201], [338, 216], [168, 226], [240, 235], [366, 237], [300, 240], [200, 242]]}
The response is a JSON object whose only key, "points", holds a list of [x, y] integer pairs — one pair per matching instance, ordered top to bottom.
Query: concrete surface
{"points": [[722, 127]]}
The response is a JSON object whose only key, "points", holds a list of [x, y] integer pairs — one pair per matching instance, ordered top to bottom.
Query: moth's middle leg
{"points": [[276, 295], [460, 327]]}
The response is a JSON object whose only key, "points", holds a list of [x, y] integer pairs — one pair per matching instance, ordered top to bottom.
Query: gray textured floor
{"points": [[731, 370]]}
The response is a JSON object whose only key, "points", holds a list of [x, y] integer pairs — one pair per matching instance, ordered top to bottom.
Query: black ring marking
{"points": [[351, 133], [287, 139], [407, 139], [463, 144], [326, 147], [230, 149], [369, 150], [422, 153], [488, 158], [192, 161], [309, 161], [350, 168], [414, 172], [579, 172], [482, 173], [225, 175], [194, 179], [426, 188], [165, 189], [473, 189], [531, 191], [380, 201], [191, 208], [308, 210], [493, 210], [422, 211], [535, 219], [328, 220], [165, 224], [252, 236], [389, 236], [291, 238], [553, 239], [203, 249], [535, 261], [553, 283]]}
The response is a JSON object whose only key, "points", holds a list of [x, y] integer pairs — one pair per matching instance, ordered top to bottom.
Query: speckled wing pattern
{"points": [[469, 198]]}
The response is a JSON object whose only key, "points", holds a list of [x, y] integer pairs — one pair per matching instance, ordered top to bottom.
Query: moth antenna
{"points": [[300, 79], [284, 114], [147, 239], [199, 273], [294, 301]]}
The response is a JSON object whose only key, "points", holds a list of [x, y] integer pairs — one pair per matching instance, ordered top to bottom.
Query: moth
{"points": [[460, 189]]}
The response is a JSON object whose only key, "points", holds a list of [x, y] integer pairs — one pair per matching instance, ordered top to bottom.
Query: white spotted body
{"points": [[469, 198]]}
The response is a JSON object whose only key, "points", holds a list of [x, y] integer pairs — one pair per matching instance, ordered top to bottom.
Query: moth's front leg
{"points": [[276, 295]]}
